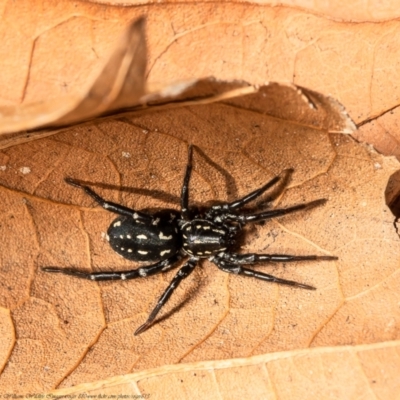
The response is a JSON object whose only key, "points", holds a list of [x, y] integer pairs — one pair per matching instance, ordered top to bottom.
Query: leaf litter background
{"points": [[68, 332]]}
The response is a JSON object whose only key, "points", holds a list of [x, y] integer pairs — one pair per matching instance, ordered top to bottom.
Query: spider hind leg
{"points": [[109, 205], [141, 272]]}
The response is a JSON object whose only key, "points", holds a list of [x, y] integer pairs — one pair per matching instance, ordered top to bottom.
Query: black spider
{"points": [[166, 237]]}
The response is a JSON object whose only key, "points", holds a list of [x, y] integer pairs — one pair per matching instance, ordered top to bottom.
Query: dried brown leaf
{"points": [[360, 11], [355, 63], [119, 84], [85, 330], [67, 331], [348, 372]]}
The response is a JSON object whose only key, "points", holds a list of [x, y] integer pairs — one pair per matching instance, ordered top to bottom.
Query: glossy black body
{"points": [[155, 239]]}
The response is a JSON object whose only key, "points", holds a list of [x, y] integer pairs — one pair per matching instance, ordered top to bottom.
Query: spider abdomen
{"points": [[202, 238], [155, 240]]}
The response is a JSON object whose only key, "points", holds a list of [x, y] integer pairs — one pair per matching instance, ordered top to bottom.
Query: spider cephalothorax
{"points": [[165, 237]]}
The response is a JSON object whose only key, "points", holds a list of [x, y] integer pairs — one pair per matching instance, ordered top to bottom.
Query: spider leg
{"points": [[185, 187], [246, 199], [108, 205], [274, 213], [254, 258], [239, 270], [183, 273], [119, 275]]}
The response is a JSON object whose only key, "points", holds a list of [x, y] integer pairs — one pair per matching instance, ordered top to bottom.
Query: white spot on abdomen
{"points": [[118, 223], [144, 237], [163, 237], [142, 252], [164, 252]]}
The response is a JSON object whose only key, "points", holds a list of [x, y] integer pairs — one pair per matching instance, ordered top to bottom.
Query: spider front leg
{"points": [[185, 187], [109, 205], [223, 208], [243, 219], [255, 258], [239, 270], [141, 272], [183, 273]]}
